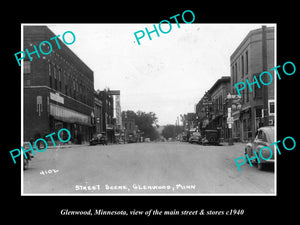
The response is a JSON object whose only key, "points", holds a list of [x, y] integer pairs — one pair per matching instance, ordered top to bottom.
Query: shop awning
{"points": [[68, 115]]}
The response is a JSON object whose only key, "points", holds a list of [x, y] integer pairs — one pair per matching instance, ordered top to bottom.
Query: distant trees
{"points": [[146, 122], [171, 131]]}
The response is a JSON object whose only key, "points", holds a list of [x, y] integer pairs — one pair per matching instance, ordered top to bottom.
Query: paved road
{"points": [[163, 167]]}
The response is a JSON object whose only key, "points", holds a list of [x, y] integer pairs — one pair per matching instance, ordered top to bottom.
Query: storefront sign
{"points": [[56, 97]]}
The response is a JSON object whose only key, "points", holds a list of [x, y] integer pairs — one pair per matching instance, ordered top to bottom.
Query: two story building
{"points": [[254, 55]]}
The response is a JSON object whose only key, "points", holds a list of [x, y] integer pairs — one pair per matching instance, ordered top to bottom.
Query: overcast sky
{"points": [[166, 75]]}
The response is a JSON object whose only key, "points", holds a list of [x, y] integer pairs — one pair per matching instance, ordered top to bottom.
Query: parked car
{"points": [[184, 137], [211, 137], [263, 137], [131, 138], [195, 138], [99, 139], [26, 160]]}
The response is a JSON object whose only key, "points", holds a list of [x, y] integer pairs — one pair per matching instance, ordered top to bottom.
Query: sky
{"points": [[167, 75]]}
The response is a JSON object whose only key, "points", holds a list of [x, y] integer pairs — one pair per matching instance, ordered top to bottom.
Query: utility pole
{"points": [[264, 68]]}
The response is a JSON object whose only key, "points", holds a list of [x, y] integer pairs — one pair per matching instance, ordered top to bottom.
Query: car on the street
{"points": [[183, 137], [210, 137], [264, 137], [132, 138], [195, 138], [99, 139], [28, 157], [26, 160]]}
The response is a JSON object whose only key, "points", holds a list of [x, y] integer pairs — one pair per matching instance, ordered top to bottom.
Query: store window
{"points": [[271, 107]]}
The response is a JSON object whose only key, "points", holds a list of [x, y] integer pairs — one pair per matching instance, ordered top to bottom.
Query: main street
{"points": [[166, 167]]}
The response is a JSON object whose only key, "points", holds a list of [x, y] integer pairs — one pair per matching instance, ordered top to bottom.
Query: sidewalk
{"points": [[58, 145]]}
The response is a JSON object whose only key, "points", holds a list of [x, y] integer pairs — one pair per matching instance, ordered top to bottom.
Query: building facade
{"points": [[254, 55], [58, 89], [210, 110], [218, 113], [97, 115], [108, 120], [129, 126]]}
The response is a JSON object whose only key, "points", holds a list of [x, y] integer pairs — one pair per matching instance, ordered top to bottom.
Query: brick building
{"points": [[254, 55], [58, 89], [202, 109], [210, 110], [218, 114], [97, 120], [108, 120]]}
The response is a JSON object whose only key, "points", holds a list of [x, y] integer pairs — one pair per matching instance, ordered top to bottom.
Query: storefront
{"points": [[77, 123], [246, 126]]}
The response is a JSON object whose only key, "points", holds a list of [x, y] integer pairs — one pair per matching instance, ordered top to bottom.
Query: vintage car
{"points": [[183, 137], [210, 137], [263, 137], [132, 138], [195, 138], [99, 139], [28, 157], [26, 160]]}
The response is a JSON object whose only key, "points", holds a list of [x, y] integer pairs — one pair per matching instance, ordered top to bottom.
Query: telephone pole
{"points": [[264, 68]]}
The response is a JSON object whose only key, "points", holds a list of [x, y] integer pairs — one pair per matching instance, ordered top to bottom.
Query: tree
{"points": [[146, 122], [171, 131]]}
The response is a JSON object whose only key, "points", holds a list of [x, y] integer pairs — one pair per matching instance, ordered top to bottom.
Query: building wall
{"points": [[63, 73], [107, 114], [218, 114], [98, 115], [36, 120], [246, 120]]}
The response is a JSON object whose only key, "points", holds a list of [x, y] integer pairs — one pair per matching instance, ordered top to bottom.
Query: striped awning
{"points": [[68, 115]]}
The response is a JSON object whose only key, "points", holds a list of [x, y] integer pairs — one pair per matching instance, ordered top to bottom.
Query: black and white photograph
{"points": [[142, 109], [114, 115]]}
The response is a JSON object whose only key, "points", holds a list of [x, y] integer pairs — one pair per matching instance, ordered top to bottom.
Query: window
{"points": [[246, 62], [242, 65], [27, 67], [49, 69], [54, 72], [235, 72], [54, 75], [232, 75], [59, 78], [26, 82], [50, 82], [257, 92], [247, 94], [243, 95], [220, 103], [271, 107], [258, 113], [261, 136]]}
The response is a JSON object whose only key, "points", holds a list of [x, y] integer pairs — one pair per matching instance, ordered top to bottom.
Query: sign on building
{"points": [[118, 112]]}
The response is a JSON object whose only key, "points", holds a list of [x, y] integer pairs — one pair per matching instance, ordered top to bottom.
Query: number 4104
{"points": [[44, 172]]}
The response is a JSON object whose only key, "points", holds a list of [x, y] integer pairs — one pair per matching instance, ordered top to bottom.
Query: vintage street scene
{"points": [[191, 112]]}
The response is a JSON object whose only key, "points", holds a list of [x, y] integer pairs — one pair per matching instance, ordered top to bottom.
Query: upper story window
{"points": [[246, 62], [242, 65], [27, 67]]}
